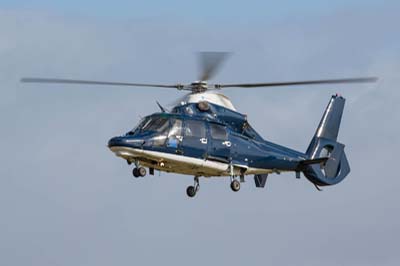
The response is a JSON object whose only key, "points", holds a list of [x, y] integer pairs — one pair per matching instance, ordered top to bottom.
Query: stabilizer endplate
{"points": [[332, 165], [260, 180]]}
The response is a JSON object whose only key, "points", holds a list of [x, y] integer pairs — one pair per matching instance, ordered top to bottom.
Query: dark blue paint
{"points": [[244, 146]]}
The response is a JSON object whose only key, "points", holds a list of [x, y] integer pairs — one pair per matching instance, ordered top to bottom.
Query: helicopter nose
{"points": [[115, 141], [125, 142]]}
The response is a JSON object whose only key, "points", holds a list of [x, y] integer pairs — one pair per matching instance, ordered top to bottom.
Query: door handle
{"points": [[227, 143]]}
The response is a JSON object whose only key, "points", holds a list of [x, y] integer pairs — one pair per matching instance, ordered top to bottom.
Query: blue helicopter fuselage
{"points": [[203, 143]]}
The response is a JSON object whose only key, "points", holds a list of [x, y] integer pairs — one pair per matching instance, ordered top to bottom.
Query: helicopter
{"points": [[203, 135]]}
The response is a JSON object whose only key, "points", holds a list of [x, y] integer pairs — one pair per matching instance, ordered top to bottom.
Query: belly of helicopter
{"points": [[180, 164]]}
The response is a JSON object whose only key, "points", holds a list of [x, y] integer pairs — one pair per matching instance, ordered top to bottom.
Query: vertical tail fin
{"points": [[329, 125], [324, 144]]}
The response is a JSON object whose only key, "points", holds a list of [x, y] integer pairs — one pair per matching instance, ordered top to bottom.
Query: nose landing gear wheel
{"points": [[235, 185], [191, 191]]}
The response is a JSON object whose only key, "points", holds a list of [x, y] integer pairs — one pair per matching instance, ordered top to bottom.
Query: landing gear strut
{"points": [[235, 184], [192, 190]]}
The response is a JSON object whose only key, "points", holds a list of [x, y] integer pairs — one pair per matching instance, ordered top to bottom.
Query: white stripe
{"points": [[192, 165]]}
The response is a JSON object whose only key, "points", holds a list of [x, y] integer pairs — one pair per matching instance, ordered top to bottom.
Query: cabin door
{"points": [[195, 142], [220, 145]]}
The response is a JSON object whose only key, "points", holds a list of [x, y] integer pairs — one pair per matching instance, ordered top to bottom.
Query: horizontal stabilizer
{"points": [[314, 161]]}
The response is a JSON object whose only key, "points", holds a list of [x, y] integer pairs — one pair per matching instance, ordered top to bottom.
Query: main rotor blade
{"points": [[209, 63], [90, 82], [296, 83]]}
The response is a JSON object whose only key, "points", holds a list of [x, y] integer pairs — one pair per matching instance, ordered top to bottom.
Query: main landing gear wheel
{"points": [[141, 171], [135, 172], [235, 185]]}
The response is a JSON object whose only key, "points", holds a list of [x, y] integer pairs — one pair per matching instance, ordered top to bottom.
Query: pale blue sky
{"points": [[196, 10], [65, 199]]}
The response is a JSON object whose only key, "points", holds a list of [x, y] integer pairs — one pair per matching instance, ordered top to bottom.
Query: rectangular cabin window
{"points": [[195, 128], [218, 132]]}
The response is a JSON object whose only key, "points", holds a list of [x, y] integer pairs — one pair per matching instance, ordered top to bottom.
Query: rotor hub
{"points": [[199, 86]]}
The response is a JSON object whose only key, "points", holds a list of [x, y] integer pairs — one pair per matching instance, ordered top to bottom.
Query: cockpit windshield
{"points": [[151, 124], [157, 124], [162, 130]]}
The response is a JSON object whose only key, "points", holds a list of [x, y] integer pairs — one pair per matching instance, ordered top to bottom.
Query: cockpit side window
{"points": [[161, 126], [195, 128], [176, 129], [218, 132], [175, 133]]}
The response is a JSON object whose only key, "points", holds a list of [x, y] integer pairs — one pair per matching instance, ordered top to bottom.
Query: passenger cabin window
{"points": [[195, 129], [218, 132]]}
